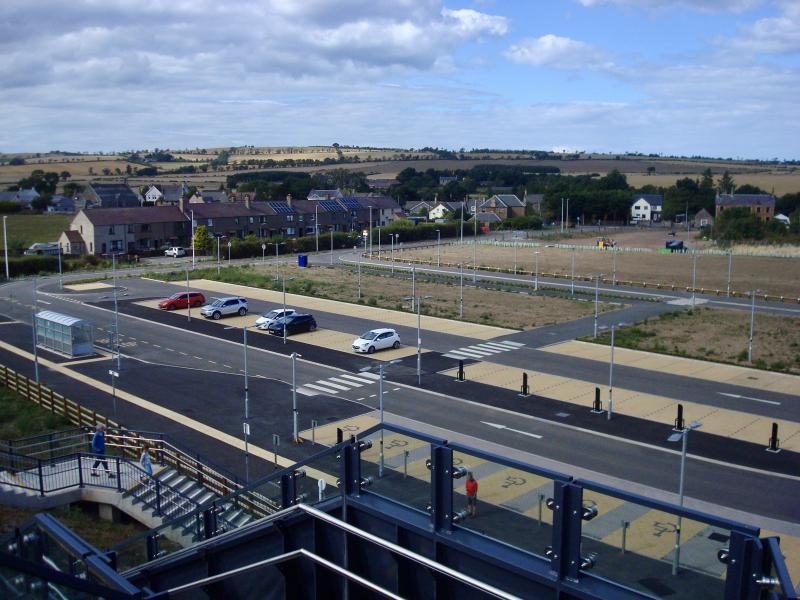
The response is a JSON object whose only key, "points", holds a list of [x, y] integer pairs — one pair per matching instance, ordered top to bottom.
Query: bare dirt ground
{"points": [[771, 275], [490, 307], [719, 335]]}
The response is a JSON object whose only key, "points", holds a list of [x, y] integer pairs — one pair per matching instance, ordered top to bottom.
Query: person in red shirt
{"points": [[472, 495]]}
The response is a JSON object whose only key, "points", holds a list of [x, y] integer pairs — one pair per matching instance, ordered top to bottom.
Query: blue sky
{"points": [[708, 77]]}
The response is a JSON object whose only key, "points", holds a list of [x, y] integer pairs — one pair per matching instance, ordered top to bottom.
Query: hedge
{"points": [[10, 207], [48, 263]]}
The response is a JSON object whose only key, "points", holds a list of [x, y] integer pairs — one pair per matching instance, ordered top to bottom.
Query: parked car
{"points": [[175, 251], [182, 300], [222, 307], [268, 318], [295, 323], [377, 339]]}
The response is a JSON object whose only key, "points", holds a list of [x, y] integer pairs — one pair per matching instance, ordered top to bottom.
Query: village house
{"points": [[166, 193], [110, 195], [209, 197], [761, 205], [504, 206], [443, 208], [647, 208]]}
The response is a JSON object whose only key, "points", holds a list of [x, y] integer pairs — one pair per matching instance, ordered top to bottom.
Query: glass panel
{"points": [[325, 469], [402, 475], [509, 505], [635, 546]]}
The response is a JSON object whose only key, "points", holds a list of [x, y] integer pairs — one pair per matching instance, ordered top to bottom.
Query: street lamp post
{"points": [[462, 223], [316, 225], [192, 228], [331, 234], [369, 234], [379, 242], [230, 244], [277, 245], [5, 246], [475, 246], [438, 249], [515, 255], [218, 257], [359, 268], [730, 270], [60, 274], [694, 276], [536, 278], [572, 282], [413, 286], [461, 293], [188, 299], [284, 301], [418, 301], [596, 303], [116, 311], [752, 325], [35, 335], [380, 368], [611, 377], [295, 414], [246, 420], [681, 436]]}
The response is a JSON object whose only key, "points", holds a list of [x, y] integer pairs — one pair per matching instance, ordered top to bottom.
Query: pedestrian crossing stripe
{"points": [[483, 349], [341, 383]]}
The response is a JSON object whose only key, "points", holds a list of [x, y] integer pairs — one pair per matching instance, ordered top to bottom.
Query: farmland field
{"points": [[779, 183]]}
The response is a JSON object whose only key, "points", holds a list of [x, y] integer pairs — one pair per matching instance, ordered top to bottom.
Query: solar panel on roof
{"points": [[351, 203], [330, 205], [280, 207]]}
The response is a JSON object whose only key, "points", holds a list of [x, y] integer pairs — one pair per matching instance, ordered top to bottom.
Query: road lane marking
{"points": [[184, 353], [354, 378], [345, 382], [314, 386], [336, 386], [773, 402], [499, 426]]}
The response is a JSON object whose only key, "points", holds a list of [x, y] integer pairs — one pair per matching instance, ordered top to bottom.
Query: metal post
{"points": [[567, 213], [562, 215], [462, 223], [316, 225], [192, 228], [331, 233], [369, 235], [379, 242], [230, 243], [5, 247], [475, 247], [438, 249], [392, 251], [263, 253], [515, 256], [218, 257], [276, 260], [614, 263], [730, 268], [359, 271], [60, 274], [694, 274], [536, 281], [572, 283], [413, 286], [461, 293], [188, 299], [596, 303], [284, 305], [116, 311], [752, 326], [35, 339], [419, 342], [114, 374], [611, 377], [380, 407], [246, 424], [313, 431], [295, 434], [405, 463], [541, 501], [625, 525], [677, 554]]}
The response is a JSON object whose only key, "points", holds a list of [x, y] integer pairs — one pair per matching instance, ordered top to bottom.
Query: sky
{"points": [[674, 77]]}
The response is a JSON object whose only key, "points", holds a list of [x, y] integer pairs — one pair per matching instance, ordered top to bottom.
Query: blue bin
{"points": [[302, 260]]}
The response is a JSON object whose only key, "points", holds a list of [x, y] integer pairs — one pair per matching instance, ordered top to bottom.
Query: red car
{"points": [[179, 300]]}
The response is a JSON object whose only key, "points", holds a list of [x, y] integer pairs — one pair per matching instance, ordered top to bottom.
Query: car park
{"points": [[175, 251], [182, 300], [222, 307], [268, 318], [295, 323], [377, 339]]}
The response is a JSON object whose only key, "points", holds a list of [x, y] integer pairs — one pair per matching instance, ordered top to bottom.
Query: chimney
{"points": [[289, 199]]}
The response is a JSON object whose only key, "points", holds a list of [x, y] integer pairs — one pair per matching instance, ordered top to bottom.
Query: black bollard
{"points": [[461, 370], [524, 384], [598, 406], [679, 425], [339, 435], [774, 442]]}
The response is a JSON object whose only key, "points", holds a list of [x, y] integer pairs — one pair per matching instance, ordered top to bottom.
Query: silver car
{"points": [[222, 307]]}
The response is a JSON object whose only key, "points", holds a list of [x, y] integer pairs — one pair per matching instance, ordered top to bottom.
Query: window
{"points": [[290, 218], [262, 219], [236, 220], [252, 220], [210, 222], [145, 227], [81, 228], [111, 229], [131, 229]]}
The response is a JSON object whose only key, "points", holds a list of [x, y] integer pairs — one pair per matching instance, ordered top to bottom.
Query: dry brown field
{"points": [[78, 169], [778, 183], [775, 276], [491, 307], [719, 335]]}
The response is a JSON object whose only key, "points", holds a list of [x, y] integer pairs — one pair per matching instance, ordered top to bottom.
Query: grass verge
{"points": [[22, 418]]}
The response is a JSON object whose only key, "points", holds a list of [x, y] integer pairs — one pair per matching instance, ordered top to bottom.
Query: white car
{"points": [[175, 252], [222, 307], [268, 318], [377, 339]]}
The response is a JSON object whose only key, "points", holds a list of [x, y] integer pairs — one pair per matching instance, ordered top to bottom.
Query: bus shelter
{"points": [[64, 334]]}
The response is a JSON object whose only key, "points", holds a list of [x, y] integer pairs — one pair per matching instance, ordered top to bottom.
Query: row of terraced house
{"points": [[144, 229]]}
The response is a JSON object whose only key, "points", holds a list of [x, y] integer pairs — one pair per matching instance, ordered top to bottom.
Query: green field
{"points": [[24, 230]]}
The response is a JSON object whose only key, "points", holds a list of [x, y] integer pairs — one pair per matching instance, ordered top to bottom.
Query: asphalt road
{"points": [[192, 368]]}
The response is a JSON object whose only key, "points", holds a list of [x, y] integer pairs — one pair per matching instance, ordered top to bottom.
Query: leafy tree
{"points": [[16, 161], [650, 170], [106, 171], [65, 175], [44, 183], [726, 183], [72, 189], [749, 189], [42, 202], [788, 203], [738, 223], [203, 242]]}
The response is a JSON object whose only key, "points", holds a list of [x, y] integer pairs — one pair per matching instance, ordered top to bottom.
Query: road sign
{"points": [[365, 233], [230, 244], [263, 246], [113, 373], [246, 427], [276, 440]]}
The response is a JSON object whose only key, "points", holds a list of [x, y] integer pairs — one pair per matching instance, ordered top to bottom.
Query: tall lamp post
{"points": [[316, 224], [192, 228], [379, 242], [277, 245], [5, 246], [475, 246], [438, 249], [730, 270], [60, 274], [694, 276], [536, 277], [572, 278], [461, 293], [418, 300], [284, 301], [596, 303], [116, 310], [752, 325], [35, 334], [380, 368], [611, 377], [246, 420], [295, 434], [681, 436]]}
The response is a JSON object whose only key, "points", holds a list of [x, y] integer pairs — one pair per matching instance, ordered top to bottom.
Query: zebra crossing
{"points": [[479, 351], [343, 382]]}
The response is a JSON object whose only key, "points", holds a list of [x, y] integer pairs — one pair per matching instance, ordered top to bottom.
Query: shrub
{"points": [[10, 207]]}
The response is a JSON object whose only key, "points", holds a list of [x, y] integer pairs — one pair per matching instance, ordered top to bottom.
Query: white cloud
{"points": [[711, 6], [770, 35], [557, 52]]}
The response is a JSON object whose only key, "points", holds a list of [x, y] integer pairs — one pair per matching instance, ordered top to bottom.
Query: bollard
{"points": [[460, 370], [524, 385], [597, 407], [679, 424], [313, 431], [339, 435], [276, 440], [774, 442], [405, 464], [541, 501], [625, 525]]}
